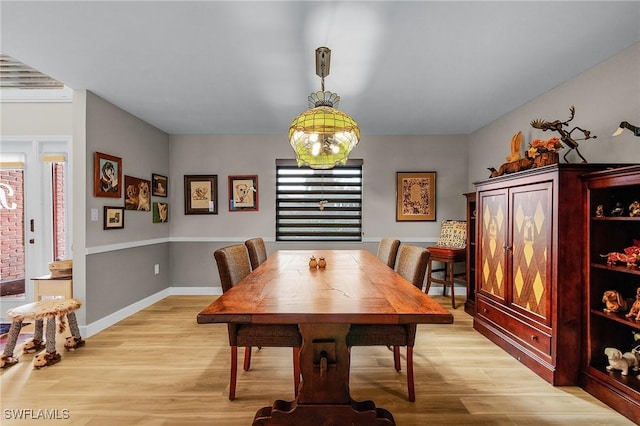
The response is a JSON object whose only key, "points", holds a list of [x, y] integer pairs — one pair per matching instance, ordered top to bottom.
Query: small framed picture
{"points": [[107, 176], [159, 185], [243, 193], [137, 194], [201, 194], [415, 196], [160, 212], [113, 217]]}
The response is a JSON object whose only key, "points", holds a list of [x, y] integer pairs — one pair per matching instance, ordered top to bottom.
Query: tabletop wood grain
{"points": [[355, 287]]}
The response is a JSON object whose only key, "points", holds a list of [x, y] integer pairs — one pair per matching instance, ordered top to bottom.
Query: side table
{"points": [[48, 286]]}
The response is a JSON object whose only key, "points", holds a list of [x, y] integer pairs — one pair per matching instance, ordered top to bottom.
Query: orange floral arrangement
{"points": [[539, 146]]}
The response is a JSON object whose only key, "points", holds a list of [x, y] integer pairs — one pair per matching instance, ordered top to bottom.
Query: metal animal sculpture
{"points": [[565, 136]]}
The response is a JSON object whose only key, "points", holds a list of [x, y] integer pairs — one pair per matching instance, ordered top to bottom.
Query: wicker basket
{"points": [[61, 268]]}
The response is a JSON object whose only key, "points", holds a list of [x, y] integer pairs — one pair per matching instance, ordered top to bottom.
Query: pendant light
{"points": [[323, 137]]}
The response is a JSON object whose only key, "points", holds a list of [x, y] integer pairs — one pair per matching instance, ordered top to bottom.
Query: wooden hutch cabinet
{"points": [[605, 234], [530, 235], [470, 276]]}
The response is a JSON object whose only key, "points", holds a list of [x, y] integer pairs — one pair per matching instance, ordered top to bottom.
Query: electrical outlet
{"points": [[156, 269]]}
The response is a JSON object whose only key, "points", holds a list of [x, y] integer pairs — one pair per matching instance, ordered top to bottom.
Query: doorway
{"points": [[34, 213]]}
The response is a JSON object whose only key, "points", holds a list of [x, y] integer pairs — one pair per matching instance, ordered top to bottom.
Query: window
{"points": [[318, 205], [58, 210]]}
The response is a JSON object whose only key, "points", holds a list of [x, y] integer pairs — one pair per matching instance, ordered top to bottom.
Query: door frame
{"points": [[38, 204]]}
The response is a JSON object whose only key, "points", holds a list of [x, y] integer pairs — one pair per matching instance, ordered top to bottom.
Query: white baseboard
{"points": [[195, 291], [106, 322], [103, 323]]}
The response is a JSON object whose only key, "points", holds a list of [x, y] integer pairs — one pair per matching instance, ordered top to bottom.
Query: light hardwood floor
{"points": [[158, 367]]}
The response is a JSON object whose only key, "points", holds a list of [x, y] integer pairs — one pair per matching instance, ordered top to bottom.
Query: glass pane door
{"points": [[33, 214], [12, 248]]}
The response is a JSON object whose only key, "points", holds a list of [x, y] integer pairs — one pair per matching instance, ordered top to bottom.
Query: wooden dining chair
{"points": [[451, 248], [388, 250], [257, 251], [233, 265], [411, 265]]}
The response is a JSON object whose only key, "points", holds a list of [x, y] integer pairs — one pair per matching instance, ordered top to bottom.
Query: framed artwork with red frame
{"points": [[107, 176]]}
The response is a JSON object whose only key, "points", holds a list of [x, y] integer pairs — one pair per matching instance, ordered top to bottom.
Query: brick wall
{"points": [[11, 226], [59, 230]]}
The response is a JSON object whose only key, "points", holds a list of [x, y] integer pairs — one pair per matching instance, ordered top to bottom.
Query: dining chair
{"points": [[451, 248], [388, 250], [257, 251], [233, 265], [411, 265]]}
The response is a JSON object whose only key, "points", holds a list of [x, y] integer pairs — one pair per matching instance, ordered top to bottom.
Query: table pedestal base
{"points": [[323, 396], [361, 413]]}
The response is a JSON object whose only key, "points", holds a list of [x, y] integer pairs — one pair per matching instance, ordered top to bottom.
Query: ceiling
{"points": [[237, 67]]}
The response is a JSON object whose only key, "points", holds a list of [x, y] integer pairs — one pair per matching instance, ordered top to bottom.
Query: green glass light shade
{"points": [[323, 137]]}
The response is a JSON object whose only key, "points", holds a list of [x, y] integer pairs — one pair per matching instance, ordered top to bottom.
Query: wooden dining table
{"points": [[355, 287]]}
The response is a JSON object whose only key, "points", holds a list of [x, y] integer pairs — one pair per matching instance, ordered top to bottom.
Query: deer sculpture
{"points": [[565, 136]]}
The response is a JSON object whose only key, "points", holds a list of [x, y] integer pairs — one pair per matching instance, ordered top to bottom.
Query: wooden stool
{"points": [[448, 256], [38, 311]]}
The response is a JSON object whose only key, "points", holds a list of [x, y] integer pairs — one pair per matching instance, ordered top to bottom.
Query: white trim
{"points": [[37, 95], [36, 138], [212, 239], [403, 239], [273, 240], [142, 243], [122, 246], [195, 291], [106, 322], [103, 323]]}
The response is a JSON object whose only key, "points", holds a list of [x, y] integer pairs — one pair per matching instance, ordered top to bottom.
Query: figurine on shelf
{"points": [[565, 136], [514, 161], [634, 209], [599, 210], [618, 210], [615, 257], [313, 263], [614, 302], [635, 308], [636, 352], [620, 361]]}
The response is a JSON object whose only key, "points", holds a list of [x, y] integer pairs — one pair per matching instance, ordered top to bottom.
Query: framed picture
{"points": [[107, 176], [159, 185], [243, 193], [138, 194], [201, 194], [416, 196], [160, 212], [113, 217]]}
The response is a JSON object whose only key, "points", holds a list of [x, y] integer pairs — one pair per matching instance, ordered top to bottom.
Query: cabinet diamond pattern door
{"points": [[494, 211], [531, 233]]}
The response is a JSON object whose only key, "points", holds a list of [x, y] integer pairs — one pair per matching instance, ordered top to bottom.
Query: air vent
{"points": [[16, 75]]}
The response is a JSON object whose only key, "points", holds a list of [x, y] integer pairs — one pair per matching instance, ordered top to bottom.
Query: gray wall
{"points": [[603, 96], [383, 156], [195, 237], [120, 263], [117, 270], [120, 278]]}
